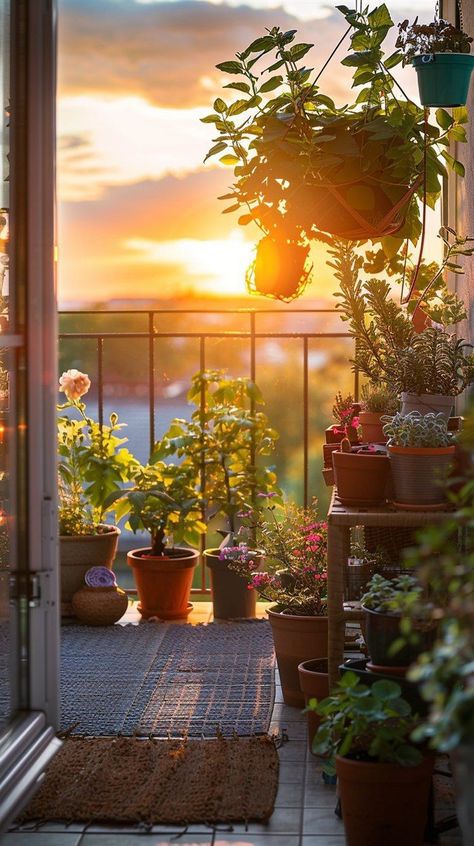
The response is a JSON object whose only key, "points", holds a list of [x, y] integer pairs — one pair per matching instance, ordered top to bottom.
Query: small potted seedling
{"points": [[440, 54]]}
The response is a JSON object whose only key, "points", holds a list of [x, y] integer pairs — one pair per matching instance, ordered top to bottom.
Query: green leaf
{"points": [[380, 17], [261, 44], [299, 50], [393, 60], [275, 66], [230, 67], [271, 84], [238, 86], [219, 106], [238, 107], [461, 114], [209, 119], [444, 119], [217, 148], [232, 208], [386, 690]]}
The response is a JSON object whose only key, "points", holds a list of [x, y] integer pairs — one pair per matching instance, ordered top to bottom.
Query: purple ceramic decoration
{"points": [[100, 577]]}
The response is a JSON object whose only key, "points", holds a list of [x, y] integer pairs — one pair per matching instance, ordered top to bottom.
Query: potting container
{"points": [[443, 78], [280, 269], [427, 403], [372, 428], [419, 475], [361, 479], [80, 552], [164, 582], [232, 598], [99, 606], [380, 632], [296, 639], [367, 675], [314, 684], [463, 769], [384, 804]]}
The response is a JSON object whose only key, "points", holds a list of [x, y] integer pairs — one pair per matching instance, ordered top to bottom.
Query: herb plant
{"points": [[439, 36], [378, 399], [417, 430], [365, 722]]}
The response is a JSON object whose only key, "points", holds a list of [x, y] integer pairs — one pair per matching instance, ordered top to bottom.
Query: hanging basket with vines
{"points": [[305, 166]]}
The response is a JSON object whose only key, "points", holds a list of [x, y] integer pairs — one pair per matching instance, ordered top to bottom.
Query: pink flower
{"points": [[74, 384], [355, 422]]}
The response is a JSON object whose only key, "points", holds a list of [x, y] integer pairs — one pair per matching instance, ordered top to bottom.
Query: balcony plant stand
{"points": [[340, 521]]}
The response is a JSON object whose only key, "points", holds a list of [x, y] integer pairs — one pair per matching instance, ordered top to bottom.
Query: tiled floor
{"points": [[304, 809]]}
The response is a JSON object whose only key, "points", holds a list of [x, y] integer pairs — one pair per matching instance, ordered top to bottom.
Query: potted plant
{"points": [[439, 52], [303, 166], [429, 368], [376, 401], [345, 411], [221, 444], [421, 454], [92, 464], [361, 474], [164, 502], [444, 560], [293, 578], [398, 626], [384, 779]]}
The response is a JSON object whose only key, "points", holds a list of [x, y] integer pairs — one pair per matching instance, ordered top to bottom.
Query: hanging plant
{"points": [[439, 52], [304, 166], [281, 268]]}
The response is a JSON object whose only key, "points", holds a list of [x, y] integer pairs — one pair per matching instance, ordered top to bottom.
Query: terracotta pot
{"points": [[280, 268], [427, 403], [372, 428], [334, 437], [328, 450], [419, 474], [361, 480], [80, 552], [164, 582], [232, 598], [99, 606], [381, 630], [296, 639], [314, 683], [463, 769], [384, 804]]}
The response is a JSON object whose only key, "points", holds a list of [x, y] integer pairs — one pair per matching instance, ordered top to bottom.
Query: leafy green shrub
{"points": [[417, 430]]}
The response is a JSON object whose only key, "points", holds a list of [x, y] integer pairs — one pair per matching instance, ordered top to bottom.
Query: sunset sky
{"points": [[138, 214]]}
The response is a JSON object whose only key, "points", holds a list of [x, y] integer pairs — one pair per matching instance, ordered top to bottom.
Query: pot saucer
{"points": [[439, 506], [166, 616]]}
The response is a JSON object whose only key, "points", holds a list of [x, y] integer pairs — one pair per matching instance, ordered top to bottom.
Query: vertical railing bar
{"points": [[253, 375], [151, 377], [100, 380], [202, 412], [305, 423]]}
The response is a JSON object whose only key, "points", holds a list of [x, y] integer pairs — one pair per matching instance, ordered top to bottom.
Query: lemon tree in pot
{"points": [[439, 52], [303, 165], [222, 445], [421, 454], [92, 463], [164, 502], [293, 577], [384, 779]]}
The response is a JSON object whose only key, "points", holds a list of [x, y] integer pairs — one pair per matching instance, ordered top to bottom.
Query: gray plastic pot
{"points": [[427, 403], [419, 473], [231, 597]]}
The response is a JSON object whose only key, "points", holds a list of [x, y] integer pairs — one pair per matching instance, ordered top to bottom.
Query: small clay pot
{"points": [[372, 428], [361, 479]]}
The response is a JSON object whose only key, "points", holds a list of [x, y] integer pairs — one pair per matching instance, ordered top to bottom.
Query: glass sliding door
{"points": [[28, 538]]}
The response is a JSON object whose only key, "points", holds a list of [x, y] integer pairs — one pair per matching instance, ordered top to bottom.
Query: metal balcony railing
{"points": [[251, 334]]}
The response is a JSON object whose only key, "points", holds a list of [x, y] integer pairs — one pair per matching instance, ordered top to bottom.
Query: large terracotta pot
{"points": [[419, 474], [361, 479], [80, 552], [164, 582], [232, 598], [296, 639], [314, 683], [384, 804]]}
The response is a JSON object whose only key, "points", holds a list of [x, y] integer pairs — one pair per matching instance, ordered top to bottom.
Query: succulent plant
{"points": [[417, 430]]}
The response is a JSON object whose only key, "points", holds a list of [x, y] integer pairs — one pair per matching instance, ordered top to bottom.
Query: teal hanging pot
{"points": [[443, 78]]}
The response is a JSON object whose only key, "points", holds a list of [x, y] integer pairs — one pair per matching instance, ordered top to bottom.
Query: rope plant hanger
{"points": [[305, 168]]}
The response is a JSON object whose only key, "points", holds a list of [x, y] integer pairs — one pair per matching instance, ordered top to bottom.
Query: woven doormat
{"points": [[168, 680], [128, 780]]}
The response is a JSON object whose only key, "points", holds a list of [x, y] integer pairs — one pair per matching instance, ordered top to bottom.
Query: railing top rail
{"points": [[281, 310]]}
